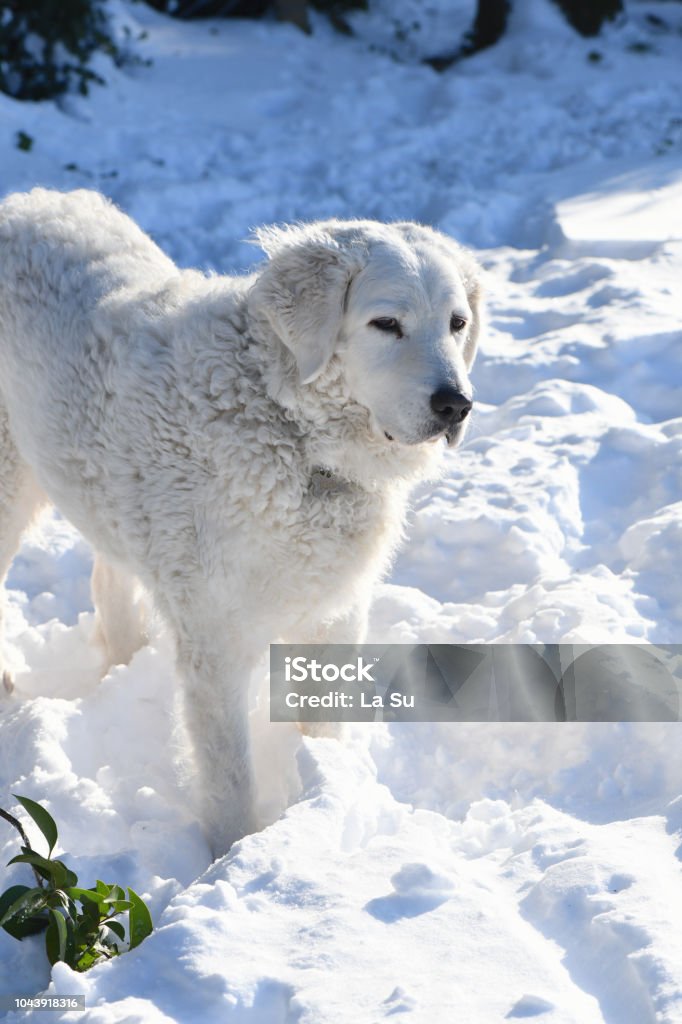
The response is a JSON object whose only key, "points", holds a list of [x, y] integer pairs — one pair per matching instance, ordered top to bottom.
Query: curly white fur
{"points": [[179, 421]]}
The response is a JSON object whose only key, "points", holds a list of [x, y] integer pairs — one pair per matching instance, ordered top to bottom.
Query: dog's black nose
{"points": [[450, 405]]}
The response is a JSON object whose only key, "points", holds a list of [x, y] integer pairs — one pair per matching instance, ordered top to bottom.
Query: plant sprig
{"points": [[82, 926]]}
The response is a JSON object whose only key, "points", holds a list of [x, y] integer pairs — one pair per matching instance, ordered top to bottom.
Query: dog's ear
{"points": [[302, 292], [475, 298]]}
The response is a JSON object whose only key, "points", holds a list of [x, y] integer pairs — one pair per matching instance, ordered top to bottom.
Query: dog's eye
{"points": [[388, 324], [457, 324]]}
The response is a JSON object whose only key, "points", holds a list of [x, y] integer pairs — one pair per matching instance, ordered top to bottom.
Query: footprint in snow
{"points": [[568, 282], [547, 854], [618, 883], [417, 890], [399, 1001], [529, 1006]]}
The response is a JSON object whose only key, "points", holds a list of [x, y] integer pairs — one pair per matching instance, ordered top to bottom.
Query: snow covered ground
{"points": [[426, 873]]}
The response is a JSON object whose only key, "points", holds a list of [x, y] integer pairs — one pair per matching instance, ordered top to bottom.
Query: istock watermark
{"points": [[301, 669], [475, 682]]}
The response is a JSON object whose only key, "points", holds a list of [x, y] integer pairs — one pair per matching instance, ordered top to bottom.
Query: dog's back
{"points": [[54, 235], [59, 254], [63, 258]]}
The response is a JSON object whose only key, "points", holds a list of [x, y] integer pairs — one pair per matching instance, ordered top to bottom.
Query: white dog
{"points": [[243, 446]]}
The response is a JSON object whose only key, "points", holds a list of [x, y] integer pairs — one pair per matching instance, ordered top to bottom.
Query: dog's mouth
{"points": [[430, 434], [433, 439]]}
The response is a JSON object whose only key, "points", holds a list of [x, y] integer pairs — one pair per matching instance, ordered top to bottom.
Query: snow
{"points": [[631, 213], [422, 872]]}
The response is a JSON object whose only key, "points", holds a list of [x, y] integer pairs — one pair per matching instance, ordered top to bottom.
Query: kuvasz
{"points": [[244, 446]]}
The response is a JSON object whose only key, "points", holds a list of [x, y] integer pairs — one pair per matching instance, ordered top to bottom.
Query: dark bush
{"points": [[212, 8], [290, 10], [588, 16], [490, 24], [46, 45]]}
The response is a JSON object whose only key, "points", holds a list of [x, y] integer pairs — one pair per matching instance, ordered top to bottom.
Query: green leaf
{"points": [[42, 818], [22, 858], [54, 871], [71, 878], [115, 893], [10, 896], [85, 896], [58, 898], [24, 903], [120, 906], [72, 908], [20, 909], [92, 912], [140, 920], [88, 921], [31, 926], [117, 928], [86, 933], [56, 937], [87, 960]]}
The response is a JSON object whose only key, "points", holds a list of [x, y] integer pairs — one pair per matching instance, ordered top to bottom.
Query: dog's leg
{"points": [[20, 497], [121, 622], [350, 628], [215, 673]]}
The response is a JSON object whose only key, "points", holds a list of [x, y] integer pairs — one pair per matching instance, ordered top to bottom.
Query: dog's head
{"points": [[397, 305]]}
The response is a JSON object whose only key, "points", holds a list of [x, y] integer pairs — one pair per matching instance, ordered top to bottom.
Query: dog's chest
{"points": [[341, 512], [338, 535]]}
